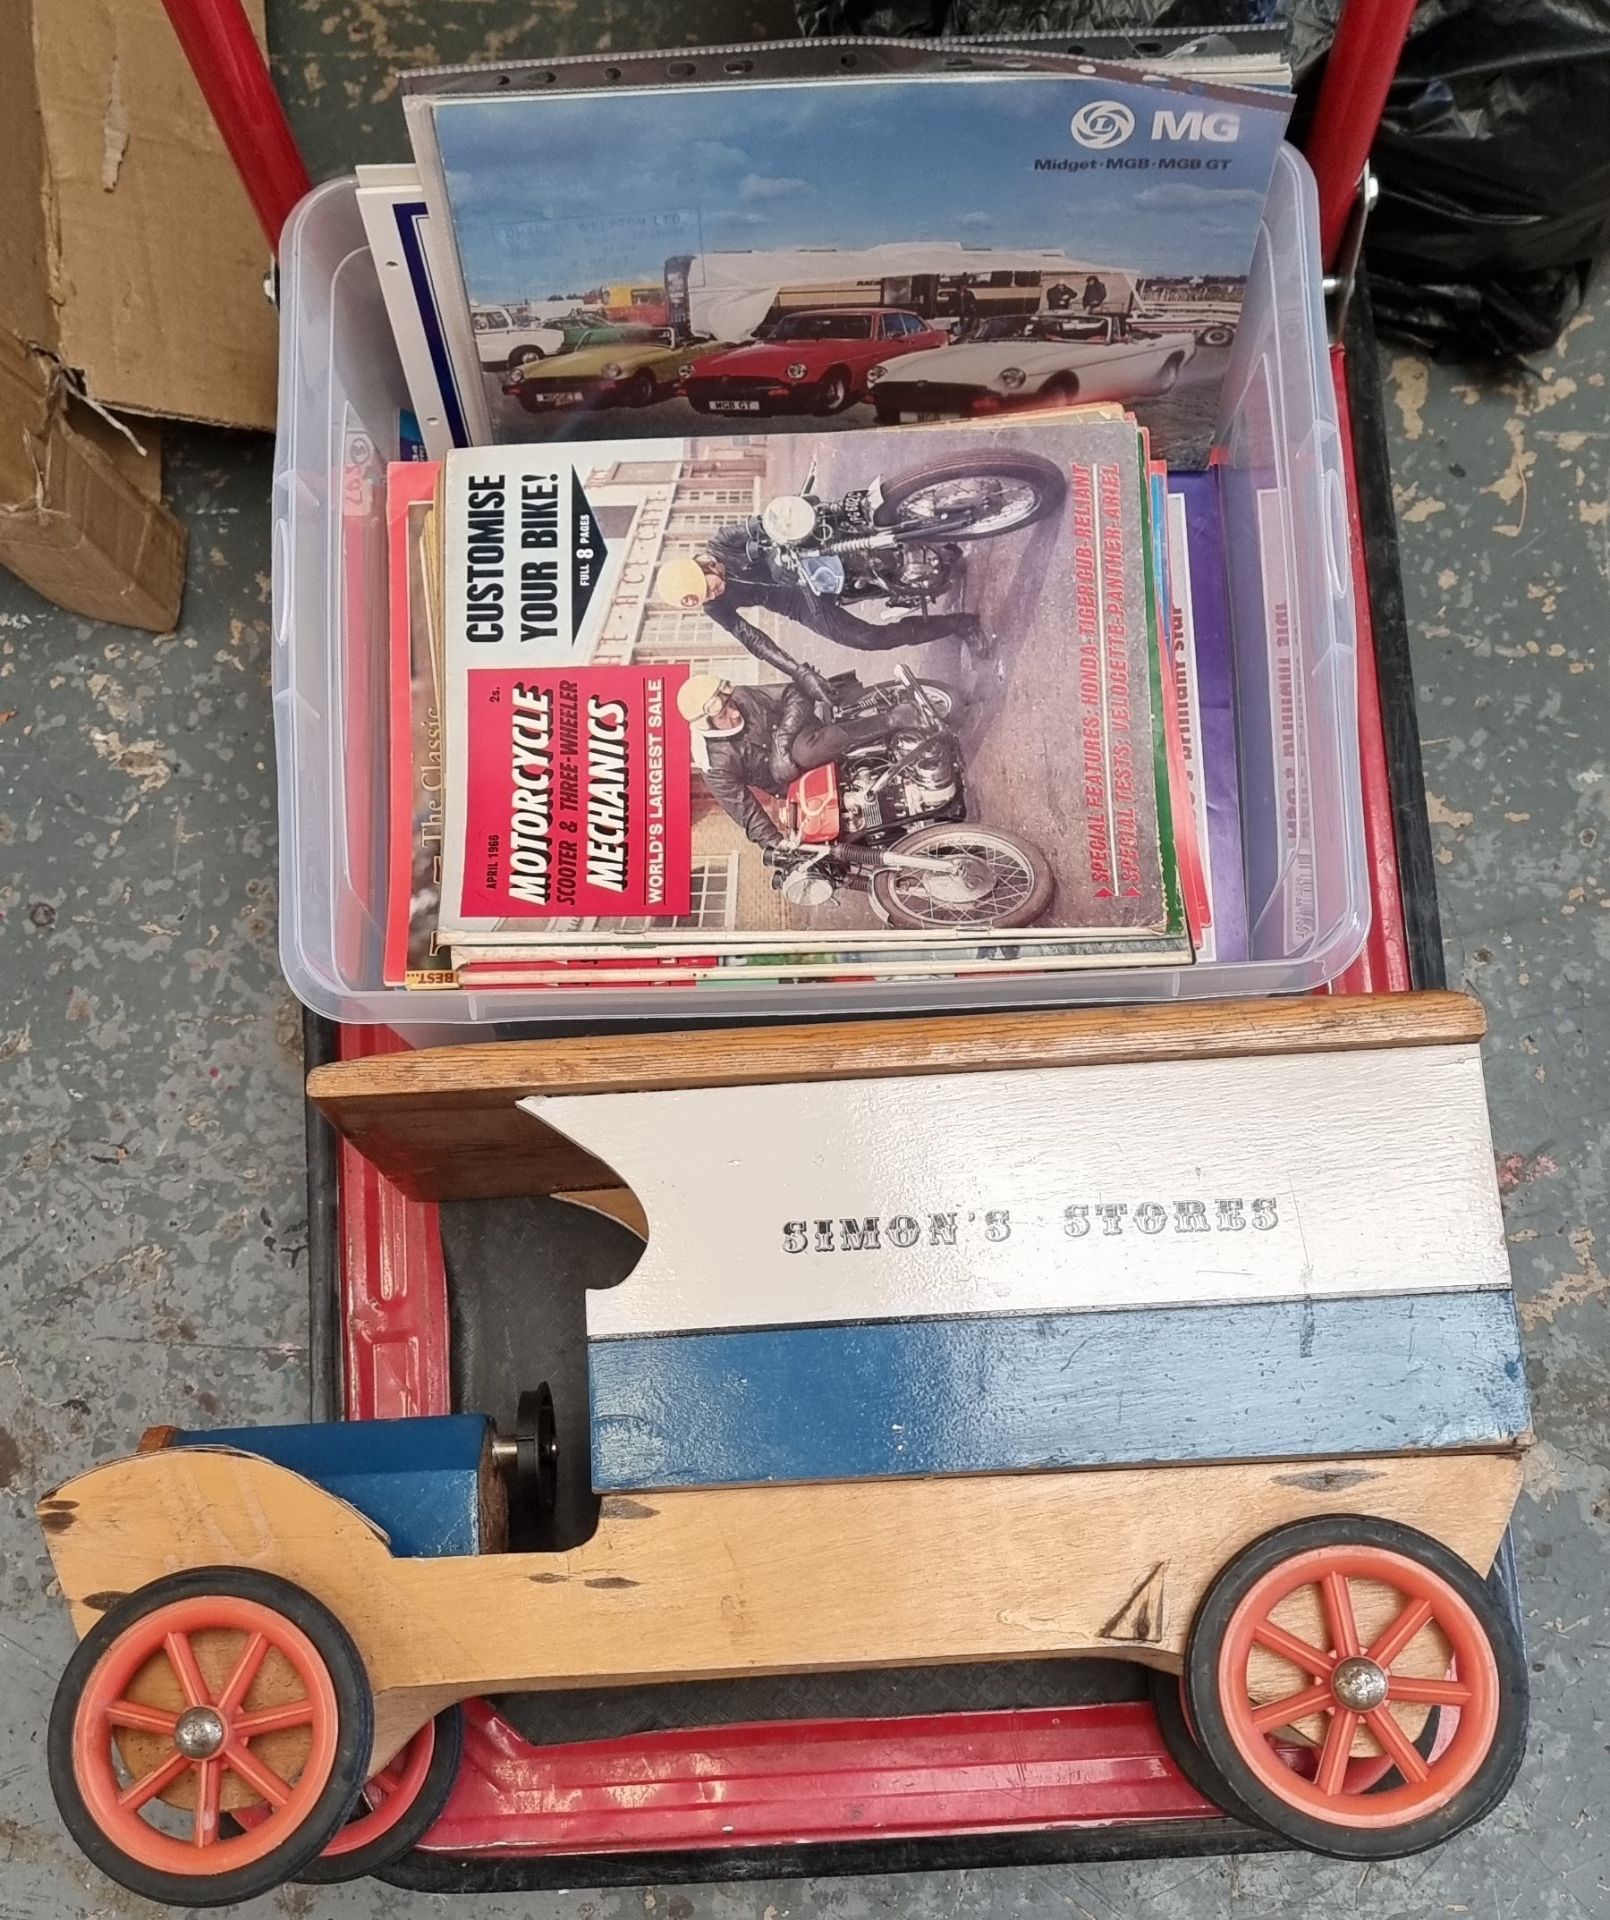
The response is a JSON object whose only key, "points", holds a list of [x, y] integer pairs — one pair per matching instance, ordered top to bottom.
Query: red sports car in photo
{"points": [[811, 362]]}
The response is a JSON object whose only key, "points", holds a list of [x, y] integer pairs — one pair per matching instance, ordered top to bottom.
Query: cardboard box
{"points": [[128, 247], [131, 265], [81, 516]]}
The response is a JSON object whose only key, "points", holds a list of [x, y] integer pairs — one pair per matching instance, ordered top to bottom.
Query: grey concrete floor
{"points": [[152, 1211]]}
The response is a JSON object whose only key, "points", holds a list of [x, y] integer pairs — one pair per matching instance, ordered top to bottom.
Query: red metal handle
{"points": [[233, 75], [1352, 94]]}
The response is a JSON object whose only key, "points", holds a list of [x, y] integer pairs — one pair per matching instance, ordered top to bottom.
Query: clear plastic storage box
{"points": [[1292, 614]]}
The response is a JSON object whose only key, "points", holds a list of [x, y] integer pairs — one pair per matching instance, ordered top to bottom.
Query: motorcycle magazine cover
{"points": [[890, 702]]}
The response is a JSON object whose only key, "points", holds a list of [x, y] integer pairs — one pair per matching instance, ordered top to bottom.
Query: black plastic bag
{"points": [[917, 19], [1494, 162], [1487, 316]]}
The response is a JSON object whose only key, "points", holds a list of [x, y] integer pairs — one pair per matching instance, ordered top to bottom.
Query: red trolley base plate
{"points": [[792, 1783]]}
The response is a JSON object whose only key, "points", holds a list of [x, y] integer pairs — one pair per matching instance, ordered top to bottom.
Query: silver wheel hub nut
{"points": [[1359, 1684], [199, 1732]]}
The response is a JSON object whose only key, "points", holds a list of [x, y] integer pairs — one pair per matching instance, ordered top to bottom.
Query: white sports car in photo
{"points": [[1028, 360]]}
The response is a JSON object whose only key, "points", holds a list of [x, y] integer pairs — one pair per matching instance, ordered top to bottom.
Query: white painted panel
{"points": [[1349, 1173]]}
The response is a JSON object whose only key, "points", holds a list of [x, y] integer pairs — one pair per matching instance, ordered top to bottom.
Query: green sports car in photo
{"points": [[615, 366]]}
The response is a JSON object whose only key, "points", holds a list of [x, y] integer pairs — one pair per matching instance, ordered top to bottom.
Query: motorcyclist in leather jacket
{"points": [[736, 571], [766, 737]]}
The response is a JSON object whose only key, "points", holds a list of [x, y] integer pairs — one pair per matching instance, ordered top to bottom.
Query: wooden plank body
{"points": [[442, 1123], [1049, 1190], [910, 1247], [1249, 1258], [1003, 1393], [428, 1483], [713, 1584]]}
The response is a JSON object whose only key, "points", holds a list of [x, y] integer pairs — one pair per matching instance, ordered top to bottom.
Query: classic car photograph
{"points": [[773, 226], [504, 342], [1029, 360], [810, 362], [611, 366]]}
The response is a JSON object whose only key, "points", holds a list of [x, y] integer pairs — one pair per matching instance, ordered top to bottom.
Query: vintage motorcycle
{"points": [[890, 549], [890, 820]]}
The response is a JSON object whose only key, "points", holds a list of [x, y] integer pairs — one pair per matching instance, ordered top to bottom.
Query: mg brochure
{"points": [[861, 250], [784, 699]]}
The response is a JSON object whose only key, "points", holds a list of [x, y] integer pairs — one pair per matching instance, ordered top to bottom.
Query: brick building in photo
{"points": [[651, 511]]}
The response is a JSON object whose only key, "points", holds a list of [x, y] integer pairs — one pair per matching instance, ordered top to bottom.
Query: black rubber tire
{"points": [[1219, 336], [523, 357], [1168, 375], [640, 390], [837, 391], [1063, 391], [886, 416], [1026, 467], [1035, 901], [1168, 1706], [355, 1739], [1184, 1750], [1493, 1778], [330, 1869]]}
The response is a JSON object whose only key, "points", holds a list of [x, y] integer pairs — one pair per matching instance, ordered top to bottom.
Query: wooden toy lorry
{"points": [[1182, 1335]]}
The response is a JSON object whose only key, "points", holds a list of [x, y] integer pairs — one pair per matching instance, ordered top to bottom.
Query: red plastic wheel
{"points": [[1338, 1636], [1353, 1687], [196, 1698], [209, 1739], [1365, 1772], [387, 1796], [399, 1804]]}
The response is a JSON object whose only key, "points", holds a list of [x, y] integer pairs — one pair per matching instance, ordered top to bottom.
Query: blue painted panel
{"points": [[993, 1395], [418, 1479]]}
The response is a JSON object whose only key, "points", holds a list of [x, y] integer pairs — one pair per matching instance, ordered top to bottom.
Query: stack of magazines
{"points": [[811, 567], [926, 701]]}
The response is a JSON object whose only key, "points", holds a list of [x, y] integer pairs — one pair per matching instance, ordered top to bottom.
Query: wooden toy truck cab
{"points": [[263, 1669]]}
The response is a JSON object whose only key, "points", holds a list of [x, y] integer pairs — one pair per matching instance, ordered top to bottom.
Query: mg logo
{"points": [[1103, 123], [1195, 125]]}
